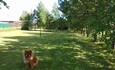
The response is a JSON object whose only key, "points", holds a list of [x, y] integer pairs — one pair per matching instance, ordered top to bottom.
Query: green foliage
{"points": [[4, 3], [55, 12], [41, 14], [90, 16], [59, 20], [26, 21], [49, 21], [62, 24]]}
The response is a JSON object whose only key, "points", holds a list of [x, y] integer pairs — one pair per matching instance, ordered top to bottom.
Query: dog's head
{"points": [[27, 53]]}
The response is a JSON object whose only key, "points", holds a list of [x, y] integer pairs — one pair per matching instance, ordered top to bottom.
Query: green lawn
{"points": [[55, 50]]}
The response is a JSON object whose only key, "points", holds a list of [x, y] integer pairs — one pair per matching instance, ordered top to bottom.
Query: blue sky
{"points": [[18, 6]]}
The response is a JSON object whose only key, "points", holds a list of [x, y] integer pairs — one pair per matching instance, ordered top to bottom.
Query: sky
{"points": [[18, 6]]}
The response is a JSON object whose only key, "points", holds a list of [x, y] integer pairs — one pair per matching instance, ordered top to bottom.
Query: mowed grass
{"points": [[55, 50]]}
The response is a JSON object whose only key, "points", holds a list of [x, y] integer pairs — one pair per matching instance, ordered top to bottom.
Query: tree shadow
{"points": [[56, 51]]}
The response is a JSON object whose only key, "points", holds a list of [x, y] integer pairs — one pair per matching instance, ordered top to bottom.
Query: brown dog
{"points": [[30, 59]]}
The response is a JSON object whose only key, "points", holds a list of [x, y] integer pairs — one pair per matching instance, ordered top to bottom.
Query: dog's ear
{"points": [[30, 51]]}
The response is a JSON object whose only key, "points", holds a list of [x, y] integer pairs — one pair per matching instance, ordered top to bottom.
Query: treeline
{"points": [[42, 18], [94, 18]]}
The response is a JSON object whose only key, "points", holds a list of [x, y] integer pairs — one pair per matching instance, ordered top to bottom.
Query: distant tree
{"points": [[56, 12], [41, 14], [33, 19], [26, 20], [49, 21], [59, 21]]}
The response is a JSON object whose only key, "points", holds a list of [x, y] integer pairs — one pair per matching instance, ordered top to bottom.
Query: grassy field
{"points": [[8, 29], [55, 50]]}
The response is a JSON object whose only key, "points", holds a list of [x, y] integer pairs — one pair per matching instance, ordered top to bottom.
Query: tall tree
{"points": [[56, 12], [41, 15], [91, 16], [59, 18], [26, 20], [49, 21]]}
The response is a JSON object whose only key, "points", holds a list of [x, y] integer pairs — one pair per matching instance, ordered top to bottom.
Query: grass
{"points": [[8, 29], [55, 50]]}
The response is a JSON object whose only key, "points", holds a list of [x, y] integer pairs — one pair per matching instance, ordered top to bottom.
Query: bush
{"points": [[26, 25]]}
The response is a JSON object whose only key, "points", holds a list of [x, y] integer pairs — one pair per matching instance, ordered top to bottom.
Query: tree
{"points": [[4, 3], [56, 12], [74, 13], [41, 15], [91, 16], [33, 19], [26, 20], [49, 21], [59, 21], [109, 36]]}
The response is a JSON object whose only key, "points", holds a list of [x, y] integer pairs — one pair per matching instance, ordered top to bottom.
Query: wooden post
{"points": [[40, 29]]}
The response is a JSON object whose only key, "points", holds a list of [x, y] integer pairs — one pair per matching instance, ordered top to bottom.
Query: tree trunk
{"points": [[40, 30], [87, 33], [102, 33], [95, 37], [113, 41], [113, 44]]}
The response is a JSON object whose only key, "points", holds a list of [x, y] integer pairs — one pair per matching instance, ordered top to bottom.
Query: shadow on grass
{"points": [[56, 51]]}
